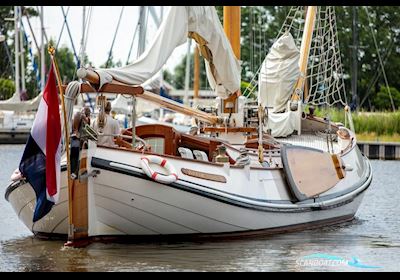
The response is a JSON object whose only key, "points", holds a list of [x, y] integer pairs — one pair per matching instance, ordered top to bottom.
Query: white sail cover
{"points": [[173, 32], [279, 73], [16, 105]]}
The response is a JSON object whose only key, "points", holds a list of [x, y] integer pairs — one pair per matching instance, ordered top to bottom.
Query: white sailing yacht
{"points": [[245, 170]]}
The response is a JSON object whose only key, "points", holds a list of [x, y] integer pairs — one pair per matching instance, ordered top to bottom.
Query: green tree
{"points": [[385, 22], [260, 26], [7, 28], [256, 39], [6, 49], [66, 63], [110, 63], [177, 79], [7, 88], [382, 98]]}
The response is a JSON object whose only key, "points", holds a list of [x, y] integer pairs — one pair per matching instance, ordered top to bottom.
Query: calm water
{"points": [[373, 238]]}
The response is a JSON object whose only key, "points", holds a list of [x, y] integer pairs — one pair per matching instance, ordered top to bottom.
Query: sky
{"points": [[101, 31]]}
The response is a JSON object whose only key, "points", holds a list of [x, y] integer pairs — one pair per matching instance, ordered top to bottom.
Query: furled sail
{"points": [[202, 24], [279, 74]]}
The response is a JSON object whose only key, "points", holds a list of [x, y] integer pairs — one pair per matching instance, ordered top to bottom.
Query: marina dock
{"points": [[12, 136], [380, 150]]}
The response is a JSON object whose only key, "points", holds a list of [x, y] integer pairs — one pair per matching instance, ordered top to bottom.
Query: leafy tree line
{"points": [[261, 25], [65, 57], [7, 64]]}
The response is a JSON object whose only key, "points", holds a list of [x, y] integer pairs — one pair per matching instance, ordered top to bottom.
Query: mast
{"points": [[232, 21], [232, 25], [142, 30], [83, 37], [16, 46], [305, 51], [22, 53], [42, 58], [355, 67], [162, 68], [187, 72], [196, 84]]}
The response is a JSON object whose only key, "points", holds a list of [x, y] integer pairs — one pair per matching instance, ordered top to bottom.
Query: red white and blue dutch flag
{"points": [[40, 163]]}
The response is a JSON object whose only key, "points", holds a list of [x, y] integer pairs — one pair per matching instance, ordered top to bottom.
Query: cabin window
{"points": [[157, 144]]}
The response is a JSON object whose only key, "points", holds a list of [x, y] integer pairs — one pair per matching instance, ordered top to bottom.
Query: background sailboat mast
{"points": [[142, 30], [16, 45], [22, 53], [82, 54], [42, 58], [355, 62], [187, 72], [196, 84]]}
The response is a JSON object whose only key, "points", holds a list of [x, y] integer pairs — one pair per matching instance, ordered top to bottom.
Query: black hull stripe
{"points": [[105, 165]]}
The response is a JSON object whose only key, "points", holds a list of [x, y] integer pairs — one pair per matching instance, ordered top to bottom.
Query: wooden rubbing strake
{"points": [[203, 175]]}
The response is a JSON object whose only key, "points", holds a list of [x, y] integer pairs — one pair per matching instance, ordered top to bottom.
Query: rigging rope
{"points": [[294, 16], [88, 18], [87, 24], [62, 29], [44, 31], [115, 36], [70, 37], [133, 40], [32, 58], [10, 60], [380, 60], [325, 72], [378, 73]]}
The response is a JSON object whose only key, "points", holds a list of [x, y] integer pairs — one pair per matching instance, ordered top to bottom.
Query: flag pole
{"points": [[52, 51]]}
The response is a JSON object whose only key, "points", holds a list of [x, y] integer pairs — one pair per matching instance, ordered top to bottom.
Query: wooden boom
{"points": [[118, 87]]}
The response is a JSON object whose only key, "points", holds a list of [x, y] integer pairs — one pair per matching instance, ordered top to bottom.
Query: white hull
{"points": [[23, 200], [123, 201], [153, 209]]}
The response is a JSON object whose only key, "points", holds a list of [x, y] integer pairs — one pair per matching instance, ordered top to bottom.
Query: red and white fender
{"points": [[166, 179]]}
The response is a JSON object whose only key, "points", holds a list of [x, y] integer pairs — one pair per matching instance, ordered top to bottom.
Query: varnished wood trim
{"points": [[111, 88], [114, 88], [230, 129], [338, 166], [203, 175], [80, 214]]}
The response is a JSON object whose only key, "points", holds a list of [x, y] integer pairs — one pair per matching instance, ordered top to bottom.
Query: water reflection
{"points": [[372, 237], [274, 253]]}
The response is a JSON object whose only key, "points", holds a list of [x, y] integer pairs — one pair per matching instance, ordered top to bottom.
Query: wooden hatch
{"points": [[310, 172]]}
